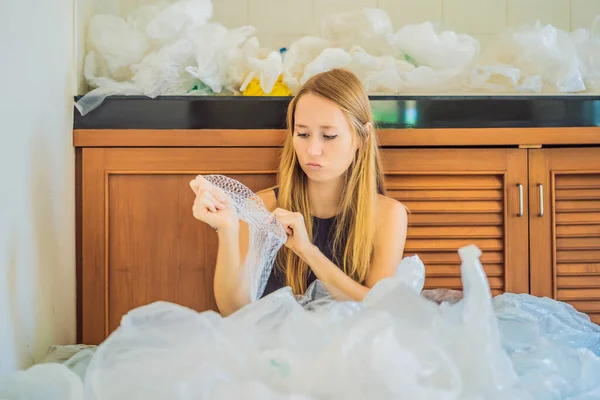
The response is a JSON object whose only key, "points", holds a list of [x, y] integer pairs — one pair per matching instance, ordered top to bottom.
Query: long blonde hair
{"points": [[355, 234]]}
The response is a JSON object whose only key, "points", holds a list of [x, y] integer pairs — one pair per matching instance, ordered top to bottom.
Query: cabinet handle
{"points": [[520, 186], [541, 187]]}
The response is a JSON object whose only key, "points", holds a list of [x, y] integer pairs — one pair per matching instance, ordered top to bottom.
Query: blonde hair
{"points": [[355, 234]]}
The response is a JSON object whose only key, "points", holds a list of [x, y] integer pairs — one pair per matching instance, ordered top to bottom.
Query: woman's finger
{"points": [[211, 203]]}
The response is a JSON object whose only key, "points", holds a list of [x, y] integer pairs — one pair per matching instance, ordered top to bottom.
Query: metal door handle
{"points": [[520, 186], [541, 188]]}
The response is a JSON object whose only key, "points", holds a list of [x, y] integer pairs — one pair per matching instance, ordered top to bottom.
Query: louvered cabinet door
{"points": [[459, 197], [565, 226]]}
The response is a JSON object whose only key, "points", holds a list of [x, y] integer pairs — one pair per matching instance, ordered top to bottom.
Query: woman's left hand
{"points": [[295, 228]]}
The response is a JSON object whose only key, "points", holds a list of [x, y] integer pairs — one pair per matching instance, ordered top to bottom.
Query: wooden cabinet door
{"points": [[459, 197], [565, 226], [140, 241]]}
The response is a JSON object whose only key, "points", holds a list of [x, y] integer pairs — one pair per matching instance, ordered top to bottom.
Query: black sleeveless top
{"points": [[323, 235]]}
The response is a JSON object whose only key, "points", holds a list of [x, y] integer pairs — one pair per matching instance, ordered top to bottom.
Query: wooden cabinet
{"points": [[564, 212], [139, 243]]}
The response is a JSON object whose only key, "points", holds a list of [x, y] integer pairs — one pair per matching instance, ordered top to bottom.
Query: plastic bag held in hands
{"points": [[211, 200], [266, 233]]}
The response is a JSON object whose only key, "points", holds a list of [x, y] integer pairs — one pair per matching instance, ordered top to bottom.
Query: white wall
{"points": [[281, 22], [37, 211]]}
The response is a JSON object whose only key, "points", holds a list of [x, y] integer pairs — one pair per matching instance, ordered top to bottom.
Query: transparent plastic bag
{"points": [[177, 17], [369, 28], [116, 44], [587, 45], [447, 50], [301, 53], [329, 59], [266, 233], [396, 345], [75, 357], [50, 381]]}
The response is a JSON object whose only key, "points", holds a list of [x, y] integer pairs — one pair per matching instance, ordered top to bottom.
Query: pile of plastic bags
{"points": [[174, 48], [396, 343]]}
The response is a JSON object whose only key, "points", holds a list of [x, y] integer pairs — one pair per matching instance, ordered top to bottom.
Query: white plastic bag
{"points": [[179, 16], [369, 28], [115, 45], [444, 51], [301, 53], [329, 59], [50, 381]]}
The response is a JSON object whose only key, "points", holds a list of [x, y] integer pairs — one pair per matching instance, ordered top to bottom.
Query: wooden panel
{"points": [[434, 137], [462, 197], [565, 241], [140, 242], [157, 250]]}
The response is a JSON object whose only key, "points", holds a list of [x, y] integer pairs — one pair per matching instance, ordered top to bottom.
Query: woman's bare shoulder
{"points": [[391, 210]]}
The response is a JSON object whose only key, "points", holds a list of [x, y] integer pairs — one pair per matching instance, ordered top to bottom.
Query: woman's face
{"points": [[323, 139]]}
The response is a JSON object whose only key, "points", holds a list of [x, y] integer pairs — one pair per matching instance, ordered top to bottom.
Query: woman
{"points": [[341, 227]]}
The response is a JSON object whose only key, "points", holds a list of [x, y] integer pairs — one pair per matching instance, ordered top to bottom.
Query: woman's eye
{"points": [[301, 135], [329, 137]]}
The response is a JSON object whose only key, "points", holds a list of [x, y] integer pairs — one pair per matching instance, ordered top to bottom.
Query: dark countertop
{"points": [[238, 112]]}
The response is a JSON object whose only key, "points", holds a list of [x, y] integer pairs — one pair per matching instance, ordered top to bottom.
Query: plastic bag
{"points": [[179, 16], [369, 28], [115, 45], [587, 45], [447, 50], [301, 53], [543, 54], [329, 59], [268, 69], [381, 75], [266, 233], [554, 348], [339, 349], [74, 357], [42, 382]]}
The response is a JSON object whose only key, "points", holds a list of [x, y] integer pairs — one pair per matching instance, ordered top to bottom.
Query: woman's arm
{"points": [[390, 239], [232, 281]]}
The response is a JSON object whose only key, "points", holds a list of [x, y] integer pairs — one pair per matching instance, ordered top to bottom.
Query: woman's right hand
{"points": [[212, 205]]}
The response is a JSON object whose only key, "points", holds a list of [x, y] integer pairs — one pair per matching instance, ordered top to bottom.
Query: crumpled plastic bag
{"points": [[179, 16], [369, 28], [587, 45], [115, 46], [172, 49], [447, 50], [301, 53], [222, 56], [545, 57], [443, 60], [267, 68], [379, 75], [395, 344], [553, 347], [345, 350], [75, 357], [50, 381]]}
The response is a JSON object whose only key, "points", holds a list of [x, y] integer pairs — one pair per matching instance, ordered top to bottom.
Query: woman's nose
{"points": [[314, 147]]}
